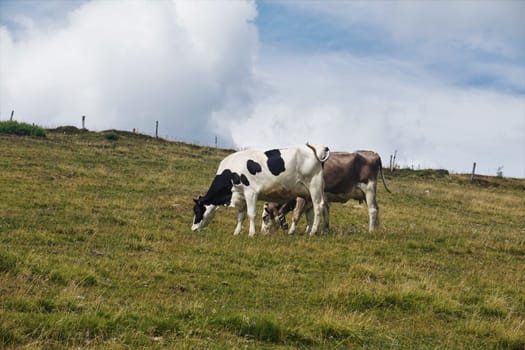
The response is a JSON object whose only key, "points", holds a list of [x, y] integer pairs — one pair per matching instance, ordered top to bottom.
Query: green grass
{"points": [[15, 128], [96, 252]]}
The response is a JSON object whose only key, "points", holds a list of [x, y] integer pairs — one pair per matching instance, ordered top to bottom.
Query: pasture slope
{"points": [[96, 252]]}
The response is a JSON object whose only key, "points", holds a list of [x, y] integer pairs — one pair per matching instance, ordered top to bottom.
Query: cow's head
{"points": [[204, 213], [272, 214], [267, 218]]}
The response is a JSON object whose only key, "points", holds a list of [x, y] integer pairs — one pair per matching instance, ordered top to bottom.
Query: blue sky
{"points": [[287, 28], [305, 29], [441, 82]]}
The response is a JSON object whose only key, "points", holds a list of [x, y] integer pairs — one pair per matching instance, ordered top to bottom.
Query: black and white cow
{"points": [[277, 175]]}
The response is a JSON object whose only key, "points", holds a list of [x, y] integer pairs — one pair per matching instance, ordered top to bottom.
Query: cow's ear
{"points": [[197, 200]]}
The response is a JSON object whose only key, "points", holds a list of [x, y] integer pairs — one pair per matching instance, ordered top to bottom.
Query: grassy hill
{"points": [[96, 251]]}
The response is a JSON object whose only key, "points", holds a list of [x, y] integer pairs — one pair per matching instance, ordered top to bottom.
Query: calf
{"points": [[277, 175], [347, 176]]}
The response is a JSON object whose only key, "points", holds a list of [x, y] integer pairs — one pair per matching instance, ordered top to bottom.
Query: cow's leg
{"points": [[317, 195], [238, 202], [251, 202], [241, 206], [373, 209], [309, 214], [326, 214], [296, 215], [317, 216], [240, 218], [291, 231]]}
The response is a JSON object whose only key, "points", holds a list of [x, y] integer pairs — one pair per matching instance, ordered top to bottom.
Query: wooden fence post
{"points": [[12, 114], [83, 122], [157, 129], [393, 161], [473, 172]]}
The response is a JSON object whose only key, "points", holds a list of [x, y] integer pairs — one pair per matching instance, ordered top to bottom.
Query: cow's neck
{"points": [[220, 191]]}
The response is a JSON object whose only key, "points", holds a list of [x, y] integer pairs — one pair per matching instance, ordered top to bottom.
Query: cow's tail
{"points": [[322, 154], [383, 176]]}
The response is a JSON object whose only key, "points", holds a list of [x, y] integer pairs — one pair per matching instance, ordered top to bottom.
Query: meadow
{"points": [[96, 252]]}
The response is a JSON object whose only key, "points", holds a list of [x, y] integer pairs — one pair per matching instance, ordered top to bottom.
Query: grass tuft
{"points": [[13, 127], [111, 136], [7, 262], [88, 281], [390, 301], [46, 305], [259, 327], [337, 333], [8, 337], [511, 344]]}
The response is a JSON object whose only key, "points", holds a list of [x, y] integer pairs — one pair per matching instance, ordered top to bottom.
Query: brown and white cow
{"points": [[346, 176]]}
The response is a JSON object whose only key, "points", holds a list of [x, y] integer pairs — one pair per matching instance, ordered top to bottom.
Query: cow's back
{"points": [[343, 171], [276, 174]]}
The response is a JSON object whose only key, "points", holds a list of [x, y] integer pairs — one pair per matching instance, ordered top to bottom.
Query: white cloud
{"points": [[490, 25], [448, 36], [125, 64], [446, 91], [353, 103]]}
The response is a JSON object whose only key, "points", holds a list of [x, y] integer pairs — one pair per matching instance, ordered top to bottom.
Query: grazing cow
{"points": [[275, 175], [346, 176]]}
